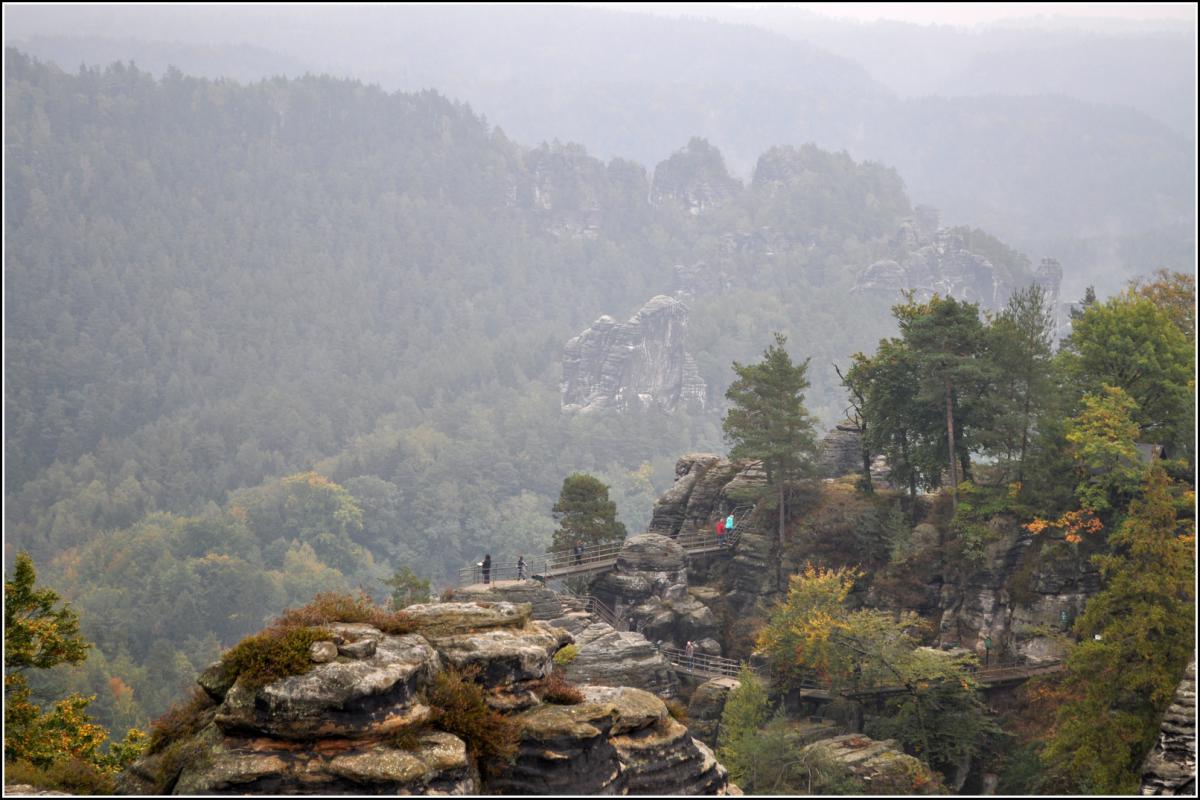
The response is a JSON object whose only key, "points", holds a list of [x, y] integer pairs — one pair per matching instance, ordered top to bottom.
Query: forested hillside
{"points": [[1069, 143], [268, 339]]}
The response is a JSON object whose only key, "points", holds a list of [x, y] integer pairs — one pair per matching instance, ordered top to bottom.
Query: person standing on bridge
{"points": [[729, 523], [720, 526], [578, 552], [486, 566], [521, 568], [690, 652]]}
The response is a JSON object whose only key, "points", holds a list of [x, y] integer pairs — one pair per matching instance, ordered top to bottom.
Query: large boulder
{"points": [[609, 657]]}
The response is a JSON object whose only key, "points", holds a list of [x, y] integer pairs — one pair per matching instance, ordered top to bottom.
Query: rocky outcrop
{"points": [[694, 178], [931, 260], [643, 361], [841, 451], [706, 487], [649, 588], [1023, 595], [603, 655], [706, 706], [363, 724], [618, 741], [880, 766], [1170, 769]]}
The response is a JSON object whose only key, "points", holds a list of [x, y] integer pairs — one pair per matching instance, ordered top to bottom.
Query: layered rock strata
{"points": [[931, 260], [642, 362], [648, 589], [603, 655], [362, 723], [1170, 769]]}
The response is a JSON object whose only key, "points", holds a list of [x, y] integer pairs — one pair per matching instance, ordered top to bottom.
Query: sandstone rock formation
{"points": [[931, 260], [643, 361], [841, 451], [649, 588], [1023, 595], [603, 655], [706, 706], [362, 724], [881, 766], [1170, 769]]}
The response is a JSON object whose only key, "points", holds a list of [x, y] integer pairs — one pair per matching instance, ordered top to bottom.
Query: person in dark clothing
{"points": [[578, 552], [487, 568], [521, 568]]}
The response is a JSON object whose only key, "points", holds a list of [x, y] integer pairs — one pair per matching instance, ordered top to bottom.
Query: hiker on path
{"points": [[729, 523], [720, 527], [578, 552], [486, 564], [521, 568], [690, 652]]}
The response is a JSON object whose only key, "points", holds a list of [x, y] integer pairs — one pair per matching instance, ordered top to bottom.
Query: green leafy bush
{"points": [[566, 655]]}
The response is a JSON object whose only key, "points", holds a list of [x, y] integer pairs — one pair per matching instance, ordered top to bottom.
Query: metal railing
{"points": [[596, 557], [500, 571], [595, 606], [703, 663]]}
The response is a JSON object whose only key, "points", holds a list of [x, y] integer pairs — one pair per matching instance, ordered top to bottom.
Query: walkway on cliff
{"points": [[559, 564], [718, 667]]}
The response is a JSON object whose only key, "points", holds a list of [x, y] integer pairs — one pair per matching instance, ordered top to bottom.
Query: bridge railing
{"points": [[591, 555], [596, 556], [500, 571], [596, 606]]}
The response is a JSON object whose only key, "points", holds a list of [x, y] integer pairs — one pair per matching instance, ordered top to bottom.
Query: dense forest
{"points": [[329, 345]]}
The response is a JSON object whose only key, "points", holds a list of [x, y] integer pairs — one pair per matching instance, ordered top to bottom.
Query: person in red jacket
{"points": [[721, 532]]}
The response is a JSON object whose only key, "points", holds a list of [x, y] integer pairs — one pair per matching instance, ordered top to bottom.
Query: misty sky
{"points": [[959, 14]]}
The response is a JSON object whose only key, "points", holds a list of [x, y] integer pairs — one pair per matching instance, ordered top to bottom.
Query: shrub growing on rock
{"points": [[330, 607], [273, 654], [566, 655], [560, 691], [459, 707], [180, 721], [71, 775]]}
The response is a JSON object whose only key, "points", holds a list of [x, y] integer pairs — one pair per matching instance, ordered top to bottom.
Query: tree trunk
{"points": [[1024, 440], [950, 444], [867, 486], [782, 585]]}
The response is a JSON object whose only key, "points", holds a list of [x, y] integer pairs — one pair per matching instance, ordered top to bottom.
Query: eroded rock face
{"points": [[931, 260], [643, 361], [841, 451], [649, 589], [1020, 596], [626, 658], [707, 705], [362, 723], [618, 741], [881, 766], [1170, 769]]}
